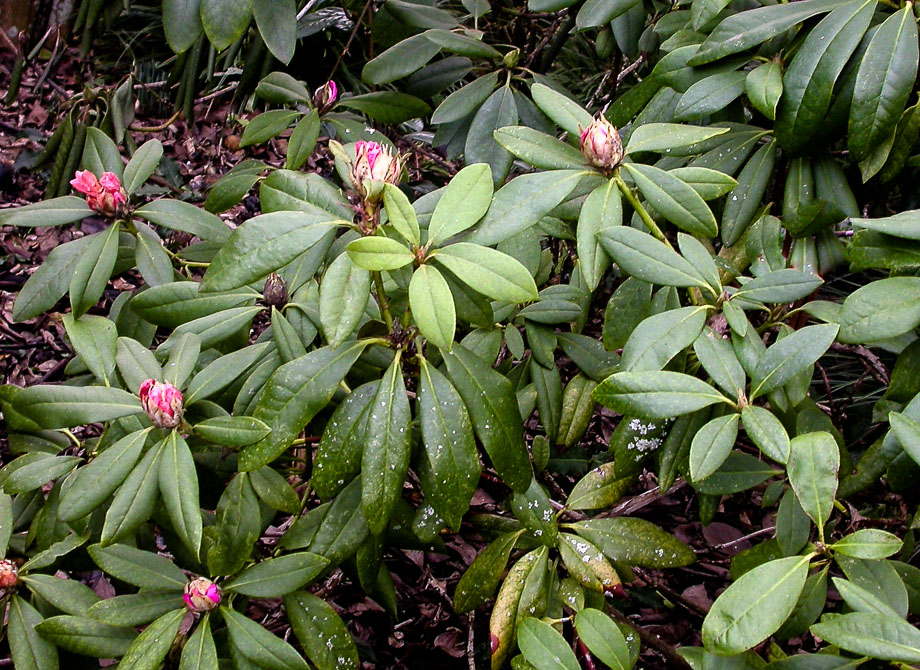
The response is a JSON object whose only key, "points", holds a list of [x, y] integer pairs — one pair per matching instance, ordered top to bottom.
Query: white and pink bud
{"points": [[325, 96], [601, 145], [374, 162], [105, 196], [163, 403], [9, 575], [201, 595]]}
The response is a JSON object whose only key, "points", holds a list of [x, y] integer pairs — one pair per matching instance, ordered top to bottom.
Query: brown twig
{"points": [[351, 38], [675, 660]]}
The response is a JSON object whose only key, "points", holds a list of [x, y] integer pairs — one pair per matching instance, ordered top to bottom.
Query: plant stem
{"points": [[640, 210], [382, 300]]}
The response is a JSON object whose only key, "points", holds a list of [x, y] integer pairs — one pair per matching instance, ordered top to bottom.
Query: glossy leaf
{"points": [[674, 199], [464, 201], [642, 256], [343, 297], [790, 356], [656, 395], [712, 445], [814, 459], [178, 482], [634, 541], [276, 577], [872, 634], [325, 639], [258, 646], [544, 647], [149, 649]]}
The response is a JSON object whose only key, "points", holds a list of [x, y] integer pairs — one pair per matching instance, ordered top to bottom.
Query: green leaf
{"points": [[600, 12], [224, 21], [181, 23], [277, 24], [746, 29], [461, 44], [400, 60], [809, 80], [883, 83], [764, 86], [282, 88], [710, 95], [464, 101], [388, 107], [498, 111], [567, 114], [267, 125], [666, 137], [302, 141], [539, 149], [100, 154], [143, 163], [710, 184], [232, 187], [674, 199], [463, 202], [743, 203], [603, 209], [54, 212], [400, 214], [179, 215], [262, 245], [379, 253], [642, 256], [152, 259], [93, 270], [488, 271], [51, 280], [780, 286], [343, 297], [177, 303], [432, 306], [880, 310], [213, 328], [658, 338], [790, 356], [719, 361], [221, 372], [293, 395], [656, 395], [492, 404], [67, 406], [232, 431], [766, 432], [712, 445], [450, 447], [387, 450], [338, 457], [814, 459], [36, 474], [179, 487], [599, 488], [274, 490], [134, 502], [6, 523], [238, 526], [634, 541], [868, 543], [141, 568], [277, 576], [480, 580], [755, 606], [136, 609], [322, 633], [872, 634], [82, 635], [603, 638], [258, 646], [544, 647], [28, 649], [149, 649], [200, 652]]}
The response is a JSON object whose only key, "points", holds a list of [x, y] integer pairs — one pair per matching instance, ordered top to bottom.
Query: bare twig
{"points": [[470, 642], [675, 660]]}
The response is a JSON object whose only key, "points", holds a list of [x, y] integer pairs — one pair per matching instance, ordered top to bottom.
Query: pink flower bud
{"points": [[325, 96], [600, 144], [374, 162], [104, 196], [162, 402], [9, 575], [201, 595]]}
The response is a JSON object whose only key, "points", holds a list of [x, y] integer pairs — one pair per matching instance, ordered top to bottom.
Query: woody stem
{"points": [[640, 210]]}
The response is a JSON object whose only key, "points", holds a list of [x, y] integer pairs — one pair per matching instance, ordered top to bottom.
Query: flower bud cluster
{"points": [[601, 145], [374, 162], [105, 196], [162, 402], [201, 595]]}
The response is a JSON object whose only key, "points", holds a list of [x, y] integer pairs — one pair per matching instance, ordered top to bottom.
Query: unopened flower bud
{"points": [[510, 59], [325, 96], [601, 145], [374, 162], [105, 196], [275, 292], [163, 403], [9, 575], [201, 595]]}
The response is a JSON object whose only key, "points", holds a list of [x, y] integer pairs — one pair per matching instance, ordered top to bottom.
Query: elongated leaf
{"points": [[225, 20], [181, 23], [277, 24], [400, 60], [764, 86], [710, 95], [464, 101], [498, 111], [567, 114], [666, 137], [539, 149], [674, 199], [465, 200], [743, 202], [602, 209], [54, 212], [179, 215], [379, 253], [642, 256], [93, 270], [488, 271], [51, 280], [786, 285], [343, 297], [432, 306], [881, 309], [657, 339], [790, 356], [222, 371], [293, 395], [656, 395], [492, 405], [67, 406], [767, 432], [447, 435], [712, 445], [387, 451], [338, 457], [814, 459], [179, 488], [135, 499], [237, 527], [633, 541], [868, 543], [141, 568], [278, 576], [480, 580], [755, 606], [135, 609], [321, 631], [872, 634], [82, 635], [603, 638], [258, 646], [544, 647], [150, 648], [28, 649], [200, 652]]}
